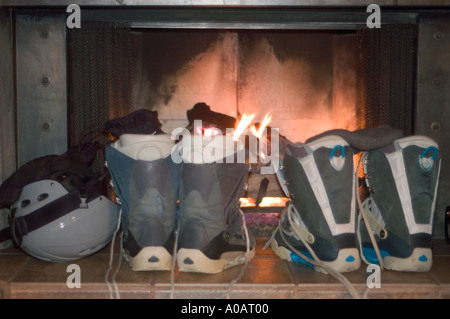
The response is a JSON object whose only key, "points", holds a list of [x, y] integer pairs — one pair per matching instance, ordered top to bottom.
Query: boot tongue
{"points": [[158, 170], [198, 178]]}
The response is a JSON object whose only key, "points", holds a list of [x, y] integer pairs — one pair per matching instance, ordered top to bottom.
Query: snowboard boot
{"points": [[402, 179], [146, 181], [320, 222], [213, 235]]}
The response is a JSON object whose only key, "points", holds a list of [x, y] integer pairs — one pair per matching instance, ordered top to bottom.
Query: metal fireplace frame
{"points": [[33, 60]]}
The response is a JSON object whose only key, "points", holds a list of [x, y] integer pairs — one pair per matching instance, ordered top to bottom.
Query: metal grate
{"points": [[387, 75], [100, 86]]}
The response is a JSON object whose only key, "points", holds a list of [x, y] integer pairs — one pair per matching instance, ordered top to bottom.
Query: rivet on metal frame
{"points": [[44, 34], [438, 35], [45, 80], [437, 82], [46, 126], [435, 126]]}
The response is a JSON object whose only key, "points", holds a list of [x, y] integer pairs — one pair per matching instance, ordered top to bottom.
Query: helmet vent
{"points": [[42, 197], [25, 203]]}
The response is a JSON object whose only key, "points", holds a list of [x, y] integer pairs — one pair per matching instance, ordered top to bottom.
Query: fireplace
{"points": [[313, 68]]}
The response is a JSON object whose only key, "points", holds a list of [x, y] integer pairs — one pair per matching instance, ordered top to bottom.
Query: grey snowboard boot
{"points": [[402, 178], [146, 182], [320, 223], [213, 235]]}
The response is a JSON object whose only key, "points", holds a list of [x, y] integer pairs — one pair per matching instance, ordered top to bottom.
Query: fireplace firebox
{"points": [[313, 68]]}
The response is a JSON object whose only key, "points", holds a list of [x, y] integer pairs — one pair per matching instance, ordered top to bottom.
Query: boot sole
{"points": [[150, 259], [194, 260], [347, 260], [420, 260]]}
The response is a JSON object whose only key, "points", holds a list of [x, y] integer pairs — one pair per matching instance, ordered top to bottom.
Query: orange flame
{"points": [[242, 125], [258, 132]]}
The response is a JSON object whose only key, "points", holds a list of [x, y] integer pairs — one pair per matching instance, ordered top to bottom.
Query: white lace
{"points": [[364, 211], [247, 252], [111, 258], [174, 261], [315, 261], [241, 273]]}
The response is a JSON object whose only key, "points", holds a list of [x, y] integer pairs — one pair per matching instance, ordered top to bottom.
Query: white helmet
{"points": [[53, 224]]}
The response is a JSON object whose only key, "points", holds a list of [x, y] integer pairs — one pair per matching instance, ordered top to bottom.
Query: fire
{"points": [[246, 121], [242, 125], [259, 132], [266, 202]]}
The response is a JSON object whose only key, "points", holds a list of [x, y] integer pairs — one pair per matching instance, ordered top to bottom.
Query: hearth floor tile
{"points": [[264, 277]]}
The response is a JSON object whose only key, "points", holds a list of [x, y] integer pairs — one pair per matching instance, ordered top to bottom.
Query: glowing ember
{"points": [[242, 125], [207, 131], [247, 202], [266, 202]]}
